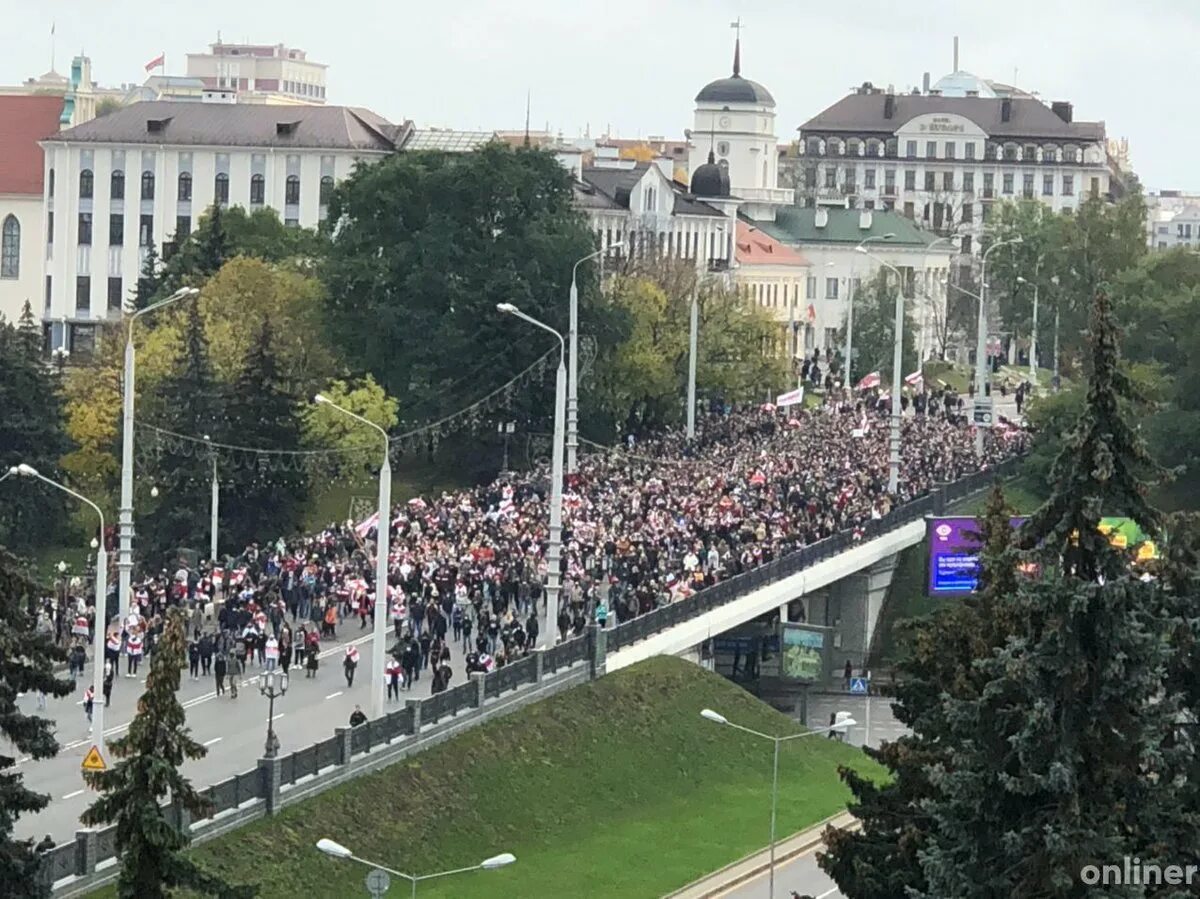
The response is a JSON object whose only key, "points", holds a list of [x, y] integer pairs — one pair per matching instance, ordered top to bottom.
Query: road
{"points": [[884, 725], [233, 730], [801, 874]]}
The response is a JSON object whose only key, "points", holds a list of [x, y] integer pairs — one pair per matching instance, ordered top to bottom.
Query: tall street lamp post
{"points": [[850, 302], [1033, 333], [897, 351], [573, 375], [983, 399], [214, 505], [125, 512], [382, 534], [554, 553], [100, 627], [272, 684], [841, 727], [337, 850]]}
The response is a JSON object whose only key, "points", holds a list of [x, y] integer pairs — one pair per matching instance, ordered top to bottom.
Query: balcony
{"points": [[775, 196]]}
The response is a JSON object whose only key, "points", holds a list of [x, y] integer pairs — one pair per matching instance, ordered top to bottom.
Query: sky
{"points": [[633, 70]]}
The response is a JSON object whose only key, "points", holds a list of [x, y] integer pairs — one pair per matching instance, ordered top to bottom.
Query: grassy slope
{"points": [[616, 788]]}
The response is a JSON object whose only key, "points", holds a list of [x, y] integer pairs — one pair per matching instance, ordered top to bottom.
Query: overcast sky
{"points": [[636, 67]]}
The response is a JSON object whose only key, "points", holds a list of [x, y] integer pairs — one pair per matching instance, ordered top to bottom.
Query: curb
{"points": [[724, 879]]}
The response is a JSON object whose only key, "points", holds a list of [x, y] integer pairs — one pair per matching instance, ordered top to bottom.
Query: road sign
{"points": [[983, 411], [858, 685], [93, 761], [378, 882]]}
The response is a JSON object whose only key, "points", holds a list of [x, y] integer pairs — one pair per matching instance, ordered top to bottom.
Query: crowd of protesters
{"points": [[643, 526]]}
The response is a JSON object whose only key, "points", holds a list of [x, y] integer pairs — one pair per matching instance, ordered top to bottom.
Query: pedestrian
{"points": [[601, 613], [466, 633], [425, 642], [285, 648], [133, 652], [271, 652], [206, 654], [311, 655], [194, 658], [77, 659], [409, 660], [350, 663], [219, 668], [110, 671], [391, 671], [847, 673], [89, 696], [357, 717], [832, 721]]}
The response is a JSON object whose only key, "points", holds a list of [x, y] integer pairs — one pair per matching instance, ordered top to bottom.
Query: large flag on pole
{"points": [[158, 62], [916, 380], [868, 381]]}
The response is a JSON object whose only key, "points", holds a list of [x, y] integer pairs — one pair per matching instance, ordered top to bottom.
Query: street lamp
{"points": [[850, 302], [1033, 331], [897, 350], [573, 374], [983, 398], [214, 505], [125, 512], [382, 534], [101, 622], [546, 636], [272, 684], [717, 718], [337, 850]]}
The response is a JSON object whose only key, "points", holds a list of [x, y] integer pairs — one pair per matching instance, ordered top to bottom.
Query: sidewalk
{"points": [[751, 866]]}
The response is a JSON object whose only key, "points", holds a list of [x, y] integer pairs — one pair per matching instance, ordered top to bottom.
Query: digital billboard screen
{"points": [[954, 555], [806, 650]]}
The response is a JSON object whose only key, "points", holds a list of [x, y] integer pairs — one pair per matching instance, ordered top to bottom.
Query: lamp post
{"points": [[850, 301], [1057, 301], [1033, 331], [693, 347], [897, 352], [573, 374], [983, 397], [214, 505], [125, 512], [382, 534], [554, 552], [101, 622], [272, 685], [841, 727], [337, 850]]}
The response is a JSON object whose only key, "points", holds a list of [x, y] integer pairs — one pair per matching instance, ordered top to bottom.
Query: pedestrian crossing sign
{"points": [[858, 685], [93, 761]]}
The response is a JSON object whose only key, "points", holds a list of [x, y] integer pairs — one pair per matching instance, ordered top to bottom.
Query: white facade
{"points": [[260, 73], [1173, 220], [21, 244]]}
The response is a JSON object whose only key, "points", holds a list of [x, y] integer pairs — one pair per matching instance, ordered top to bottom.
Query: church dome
{"points": [[963, 84], [735, 89], [710, 179]]}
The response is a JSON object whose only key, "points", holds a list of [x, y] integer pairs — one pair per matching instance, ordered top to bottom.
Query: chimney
{"points": [[956, 52], [925, 83], [889, 106], [1006, 109], [1062, 109], [821, 219], [864, 220]]}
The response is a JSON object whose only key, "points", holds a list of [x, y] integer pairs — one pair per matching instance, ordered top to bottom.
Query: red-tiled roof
{"points": [[24, 120], [756, 248]]}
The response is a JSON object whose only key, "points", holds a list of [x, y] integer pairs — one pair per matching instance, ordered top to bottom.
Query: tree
{"points": [[424, 245], [149, 285], [874, 336], [186, 402], [326, 428], [31, 431], [264, 494], [27, 663], [150, 755]]}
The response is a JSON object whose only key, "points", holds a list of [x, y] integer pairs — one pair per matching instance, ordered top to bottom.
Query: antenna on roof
{"points": [[53, 25], [737, 47], [956, 52], [527, 92]]}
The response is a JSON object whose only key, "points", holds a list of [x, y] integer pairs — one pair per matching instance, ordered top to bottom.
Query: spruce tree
{"points": [[212, 243], [149, 282], [188, 403], [265, 494], [27, 662], [147, 773]]}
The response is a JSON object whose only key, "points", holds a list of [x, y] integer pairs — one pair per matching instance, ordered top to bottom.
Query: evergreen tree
{"points": [[212, 243], [150, 281], [188, 402], [264, 499], [27, 662], [150, 755]]}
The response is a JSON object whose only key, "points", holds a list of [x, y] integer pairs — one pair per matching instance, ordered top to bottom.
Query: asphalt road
{"points": [[233, 730], [801, 874]]}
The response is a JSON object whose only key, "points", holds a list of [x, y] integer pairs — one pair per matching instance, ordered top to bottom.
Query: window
{"points": [[890, 146], [910, 149], [931, 149], [949, 149], [969, 150], [1010, 152], [1029, 154], [1070, 154], [831, 176], [869, 179], [910, 179], [929, 180], [947, 180], [889, 181], [969, 182], [1008, 182], [989, 183], [86, 184], [116, 185], [147, 185], [1027, 185], [1047, 185], [1068, 185], [185, 187], [1095, 187], [221, 189], [257, 190], [326, 190], [50, 193], [291, 193], [649, 199], [868, 204], [909, 211], [968, 213], [291, 223], [50, 226], [183, 227], [85, 228], [116, 230], [146, 231], [10, 248], [810, 288], [831, 288], [83, 293], [114, 294]]}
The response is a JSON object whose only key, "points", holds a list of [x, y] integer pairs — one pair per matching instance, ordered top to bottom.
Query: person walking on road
{"points": [[206, 654], [312, 654], [194, 657], [409, 659], [350, 664], [219, 668], [110, 670], [391, 671], [89, 696]]}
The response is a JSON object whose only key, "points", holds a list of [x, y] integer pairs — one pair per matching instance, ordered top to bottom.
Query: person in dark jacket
{"points": [[357, 717]]}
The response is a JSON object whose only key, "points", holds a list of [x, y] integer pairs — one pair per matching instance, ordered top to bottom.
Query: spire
{"points": [[737, 47], [527, 94]]}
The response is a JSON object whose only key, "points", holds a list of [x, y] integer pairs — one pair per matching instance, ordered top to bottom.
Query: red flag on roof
{"points": [[159, 60]]}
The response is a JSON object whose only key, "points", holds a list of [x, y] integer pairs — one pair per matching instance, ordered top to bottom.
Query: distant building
{"points": [[260, 73], [1173, 219], [774, 276]]}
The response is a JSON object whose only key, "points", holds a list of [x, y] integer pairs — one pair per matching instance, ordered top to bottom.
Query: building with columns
{"points": [[260, 73]]}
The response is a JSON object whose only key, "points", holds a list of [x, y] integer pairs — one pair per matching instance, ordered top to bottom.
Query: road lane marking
{"points": [[334, 695], [279, 715], [213, 740], [73, 795], [828, 893]]}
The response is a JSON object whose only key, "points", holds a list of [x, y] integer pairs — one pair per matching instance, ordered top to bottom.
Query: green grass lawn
{"points": [[954, 375], [410, 478], [617, 788]]}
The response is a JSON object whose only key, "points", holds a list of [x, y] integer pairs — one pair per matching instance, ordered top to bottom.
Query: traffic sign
{"points": [[983, 411], [858, 685], [93, 761], [378, 882]]}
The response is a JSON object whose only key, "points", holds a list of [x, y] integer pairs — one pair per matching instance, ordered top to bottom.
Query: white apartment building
{"points": [[260, 73], [943, 160], [144, 175], [1172, 219]]}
